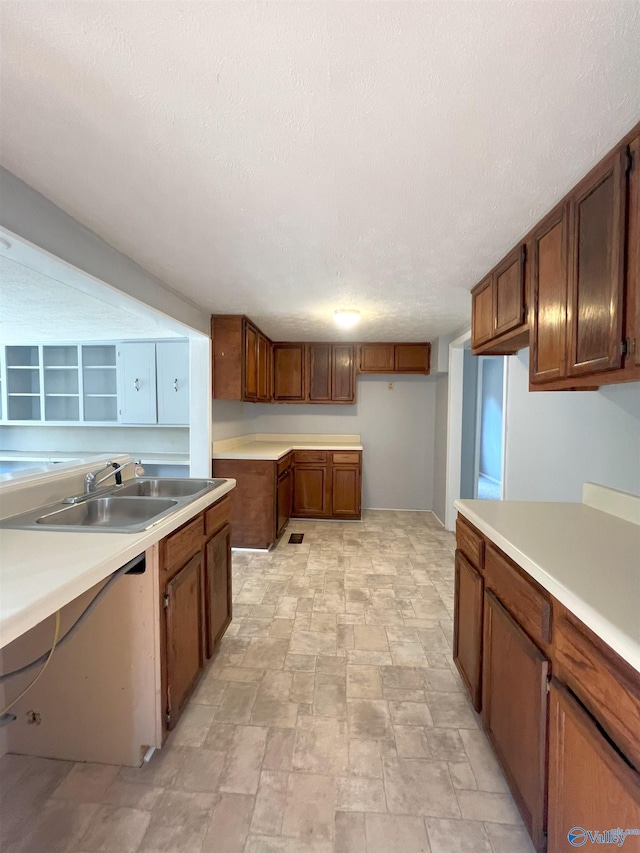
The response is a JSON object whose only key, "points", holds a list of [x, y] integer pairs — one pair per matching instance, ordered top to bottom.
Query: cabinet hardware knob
{"points": [[136, 384], [175, 384]]}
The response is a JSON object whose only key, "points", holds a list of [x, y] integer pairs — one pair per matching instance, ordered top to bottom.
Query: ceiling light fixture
{"points": [[346, 318]]}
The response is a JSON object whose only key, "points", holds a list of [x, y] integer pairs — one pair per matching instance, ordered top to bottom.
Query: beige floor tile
{"points": [[370, 638], [312, 643], [265, 654], [408, 654], [361, 657], [300, 663], [331, 665], [239, 674], [364, 682], [302, 687], [330, 696], [236, 705], [451, 711], [273, 712], [410, 714], [369, 719], [193, 727], [219, 736], [411, 742], [445, 744], [321, 746], [279, 750], [365, 758], [483, 762], [161, 770], [201, 771], [241, 771], [462, 776], [86, 783], [419, 787], [358, 794], [134, 796], [270, 802], [310, 807], [494, 808], [179, 821], [229, 825], [58, 826], [115, 829], [350, 833], [391, 833], [457, 836], [508, 839], [269, 844]]}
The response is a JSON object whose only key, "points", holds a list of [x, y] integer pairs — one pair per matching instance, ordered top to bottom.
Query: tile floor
{"points": [[332, 720]]}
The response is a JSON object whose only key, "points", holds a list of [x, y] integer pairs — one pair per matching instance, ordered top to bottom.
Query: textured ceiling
{"points": [[286, 159]]}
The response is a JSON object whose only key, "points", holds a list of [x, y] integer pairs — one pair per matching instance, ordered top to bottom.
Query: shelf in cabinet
{"points": [[23, 394]]}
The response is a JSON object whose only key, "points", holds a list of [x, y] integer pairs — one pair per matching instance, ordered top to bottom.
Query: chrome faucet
{"points": [[90, 482]]}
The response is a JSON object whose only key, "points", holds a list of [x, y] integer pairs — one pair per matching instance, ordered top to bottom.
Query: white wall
{"points": [[231, 418], [469, 420], [397, 429], [132, 440], [557, 440], [440, 448]]}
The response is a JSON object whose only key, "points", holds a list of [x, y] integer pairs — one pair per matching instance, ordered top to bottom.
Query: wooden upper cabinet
{"points": [[633, 256], [596, 281], [549, 297], [510, 302], [498, 308], [482, 313], [251, 336], [376, 358], [394, 358], [412, 358], [241, 359], [264, 369], [288, 372], [320, 373], [343, 374]]}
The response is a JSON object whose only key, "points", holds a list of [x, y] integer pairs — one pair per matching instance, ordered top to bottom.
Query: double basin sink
{"points": [[132, 507]]}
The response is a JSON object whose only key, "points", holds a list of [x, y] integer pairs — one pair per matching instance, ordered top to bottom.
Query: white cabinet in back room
{"points": [[172, 377], [153, 382]]}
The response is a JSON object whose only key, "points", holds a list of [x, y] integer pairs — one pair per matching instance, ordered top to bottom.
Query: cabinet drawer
{"points": [[310, 456], [346, 458], [284, 464], [217, 516], [470, 542], [179, 546], [525, 601], [604, 684]]}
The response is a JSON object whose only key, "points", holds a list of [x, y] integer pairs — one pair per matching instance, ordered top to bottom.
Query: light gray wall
{"points": [[32, 216], [232, 418], [397, 429], [557, 440], [440, 448]]}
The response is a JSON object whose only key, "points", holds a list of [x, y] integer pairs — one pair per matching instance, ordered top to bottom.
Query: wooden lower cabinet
{"points": [[310, 490], [345, 492], [285, 500], [253, 501], [218, 586], [184, 614], [467, 627], [514, 712], [591, 787]]}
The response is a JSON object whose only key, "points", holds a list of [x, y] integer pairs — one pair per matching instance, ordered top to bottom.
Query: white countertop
{"points": [[275, 446], [151, 458], [588, 559], [42, 571]]}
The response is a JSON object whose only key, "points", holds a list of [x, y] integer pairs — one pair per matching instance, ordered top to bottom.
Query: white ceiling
{"points": [[286, 159]]}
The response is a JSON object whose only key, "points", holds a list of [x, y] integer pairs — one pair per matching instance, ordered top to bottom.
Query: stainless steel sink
{"points": [[165, 488], [131, 508], [110, 512]]}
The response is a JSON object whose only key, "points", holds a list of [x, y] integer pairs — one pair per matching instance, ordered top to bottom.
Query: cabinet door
{"points": [[633, 247], [509, 302], [549, 309], [595, 309], [482, 313], [377, 358], [412, 358], [172, 362], [250, 362], [264, 369], [288, 372], [319, 373], [343, 373], [137, 383], [310, 491], [345, 491], [285, 498], [218, 586], [467, 627], [184, 635], [514, 711], [591, 788]]}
